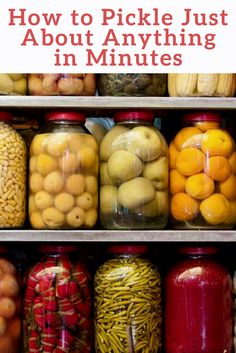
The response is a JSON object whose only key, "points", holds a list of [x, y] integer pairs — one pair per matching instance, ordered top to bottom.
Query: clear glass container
{"points": [[13, 84], [132, 84], [202, 159], [12, 174], [63, 174], [134, 174], [57, 303], [198, 304], [128, 312]]}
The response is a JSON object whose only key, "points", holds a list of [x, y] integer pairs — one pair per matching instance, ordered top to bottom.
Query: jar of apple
{"points": [[63, 174], [134, 174]]}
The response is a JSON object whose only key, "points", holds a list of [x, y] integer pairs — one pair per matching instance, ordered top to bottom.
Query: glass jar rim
{"points": [[131, 115], [65, 116], [202, 116], [57, 249], [127, 249], [198, 250]]}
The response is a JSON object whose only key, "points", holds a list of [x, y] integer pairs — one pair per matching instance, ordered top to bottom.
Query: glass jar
{"points": [[13, 84], [62, 84], [132, 84], [201, 85], [12, 174], [63, 174], [134, 174], [203, 174], [57, 303], [198, 304], [10, 305], [234, 310], [128, 313]]}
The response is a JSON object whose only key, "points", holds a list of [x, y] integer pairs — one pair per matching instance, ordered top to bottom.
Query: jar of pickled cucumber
{"points": [[13, 84], [62, 84], [132, 85], [201, 85], [134, 173], [12, 174], [63, 174], [203, 174], [57, 303], [10, 305], [128, 312]]}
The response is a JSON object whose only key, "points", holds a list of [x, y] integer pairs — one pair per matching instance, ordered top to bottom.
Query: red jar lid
{"points": [[124, 115], [5, 116], [68, 116], [202, 116], [57, 249], [127, 249], [191, 250]]}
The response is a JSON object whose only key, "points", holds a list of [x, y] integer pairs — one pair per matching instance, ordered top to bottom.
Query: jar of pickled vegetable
{"points": [[13, 84], [62, 84], [132, 85], [12, 174], [63, 174], [134, 174], [203, 174], [57, 303], [198, 304], [10, 305], [128, 313]]}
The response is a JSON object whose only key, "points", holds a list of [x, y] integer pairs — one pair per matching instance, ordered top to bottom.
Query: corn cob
{"points": [[186, 84], [207, 84], [172, 85], [224, 86]]}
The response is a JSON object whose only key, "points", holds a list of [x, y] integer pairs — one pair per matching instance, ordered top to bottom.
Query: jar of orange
{"points": [[202, 174]]}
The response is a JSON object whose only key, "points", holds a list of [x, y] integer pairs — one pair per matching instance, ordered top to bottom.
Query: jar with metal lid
{"points": [[13, 84], [62, 84], [132, 85], [201, 85], [134, 173], [12, 174], [63, 174], [203, 174], [57, 303], [198, 304], [10, 305], [128, 312]]}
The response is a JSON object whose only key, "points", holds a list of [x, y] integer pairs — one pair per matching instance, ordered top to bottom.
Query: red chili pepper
{"points": [[62, 290], [84, 309], [52, 319], [83, 323], [66, 337], [49, 339], [33, 342]]}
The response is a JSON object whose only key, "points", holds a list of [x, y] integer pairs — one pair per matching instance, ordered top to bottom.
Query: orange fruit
{"points": [[207, 125], [184, 135], [216, 142], [173, 154], [190, 161], [232, 162], [217, 168], [177, 182], [199, 186], [228, 187], [183, 207], [215, 209], [231, 219]]}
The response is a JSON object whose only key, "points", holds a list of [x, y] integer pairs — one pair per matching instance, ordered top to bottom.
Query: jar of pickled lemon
{"points": [[13, 84], [134, 173], [63, 174], [203, 174]]}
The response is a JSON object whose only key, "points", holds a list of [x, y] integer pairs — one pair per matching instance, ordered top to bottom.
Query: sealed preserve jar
{"points": [[13, 84], [62, 84], [132, 84], [201, 85], [134, 173], [12, 174], [63, 174], [203, 174], [57, 303], [198, 304], [128, 313]]}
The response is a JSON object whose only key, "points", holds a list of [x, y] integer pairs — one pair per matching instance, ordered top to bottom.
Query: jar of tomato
{"points": [[203, 174], [57, 303], [198, 304]]}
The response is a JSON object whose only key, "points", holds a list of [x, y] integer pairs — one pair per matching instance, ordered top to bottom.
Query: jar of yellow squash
{"points": [[63, 174], [202, 174]]}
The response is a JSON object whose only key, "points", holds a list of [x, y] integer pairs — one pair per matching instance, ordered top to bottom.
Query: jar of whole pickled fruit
{"points": [[13, 84], [62, 84], [132, 85], [201, 85], [202, 159], [134, 173], [12, 174], [63, 174], [57, 303], [198, 304], [10, 305], [128, 312]]}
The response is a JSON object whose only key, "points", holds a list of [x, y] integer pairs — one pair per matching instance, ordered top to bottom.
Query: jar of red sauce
{"points": [[198, 304]]}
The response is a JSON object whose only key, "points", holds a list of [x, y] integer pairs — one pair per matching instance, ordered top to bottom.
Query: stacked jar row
{"points": [[174, 85]]}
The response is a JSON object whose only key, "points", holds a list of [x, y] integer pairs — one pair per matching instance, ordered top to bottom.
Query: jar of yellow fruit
{"points": [[13, 84], [63, 174], [202, 174]]}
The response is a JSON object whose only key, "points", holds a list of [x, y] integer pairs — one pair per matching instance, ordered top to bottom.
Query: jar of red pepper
{"points": [[57, 303], [198, 304]]}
